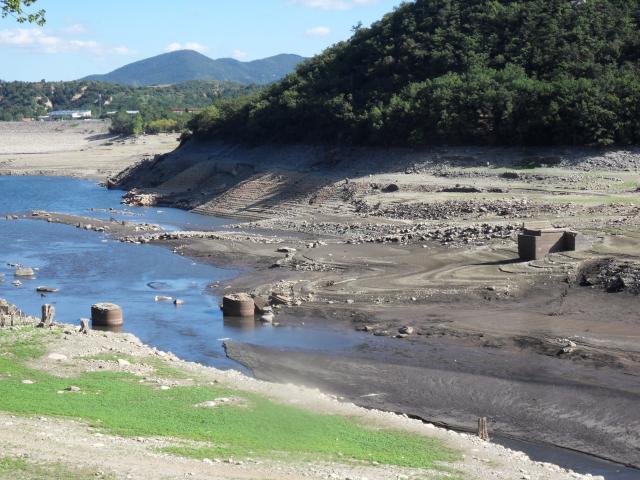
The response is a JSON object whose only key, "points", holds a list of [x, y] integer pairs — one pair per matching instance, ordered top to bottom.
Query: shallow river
{"points": [[88, 267]]}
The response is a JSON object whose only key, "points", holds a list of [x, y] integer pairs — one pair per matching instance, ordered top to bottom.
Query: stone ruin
{"points": [[534, 243], [10, 316]]}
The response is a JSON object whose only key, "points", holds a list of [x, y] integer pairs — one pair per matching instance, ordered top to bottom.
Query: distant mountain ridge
{"points": [[186, 65]]}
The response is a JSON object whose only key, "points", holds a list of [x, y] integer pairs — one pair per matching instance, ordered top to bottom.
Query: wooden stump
{"points": [[46, 320], [84, 326], [483, 430]]}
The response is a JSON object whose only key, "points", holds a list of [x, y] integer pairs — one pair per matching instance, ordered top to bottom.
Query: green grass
{"points": [[23, 343], [160, 367], [119, 404], [12, 468]]}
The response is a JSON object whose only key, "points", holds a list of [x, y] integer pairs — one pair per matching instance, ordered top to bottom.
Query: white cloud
{"points": [[333, 4], [75, 29], [318, 32], [40, 41], [172, 47], [198, 47], [122, 50], [239, 55]]}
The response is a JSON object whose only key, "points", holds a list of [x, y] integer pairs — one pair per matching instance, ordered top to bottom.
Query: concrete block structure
{"points": [[536, 243]]}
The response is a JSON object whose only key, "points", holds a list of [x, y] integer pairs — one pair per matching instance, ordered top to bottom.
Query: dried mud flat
{"points": [[83, 148]]}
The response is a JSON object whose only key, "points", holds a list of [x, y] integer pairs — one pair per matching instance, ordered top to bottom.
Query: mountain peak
{"points": [[185, 65]]}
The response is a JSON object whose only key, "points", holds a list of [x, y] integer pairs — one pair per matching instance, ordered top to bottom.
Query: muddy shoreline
{"points": [[516, 377]]}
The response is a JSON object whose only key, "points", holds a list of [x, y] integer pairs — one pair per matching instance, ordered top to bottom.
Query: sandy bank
{"points": [[82, 149]]}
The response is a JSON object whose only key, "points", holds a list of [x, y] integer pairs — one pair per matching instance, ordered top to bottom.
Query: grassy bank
{"points": [[245, 425], [22, 469]]}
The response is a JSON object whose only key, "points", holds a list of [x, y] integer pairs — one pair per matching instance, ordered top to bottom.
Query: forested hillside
{"points": [[187, 65], [459, 71], [29, 99]]}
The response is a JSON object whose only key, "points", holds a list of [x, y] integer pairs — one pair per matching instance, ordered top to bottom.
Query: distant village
{"points": [[87, 114], [75, 115]]}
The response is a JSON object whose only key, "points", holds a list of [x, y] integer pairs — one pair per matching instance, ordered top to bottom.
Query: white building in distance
{"points": [[74, 114]]}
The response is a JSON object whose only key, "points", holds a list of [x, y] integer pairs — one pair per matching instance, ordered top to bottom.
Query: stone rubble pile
{"points": [[138, 199], [462, 209], [446, 235], [147, 238], [612, 275], [10, 316]]}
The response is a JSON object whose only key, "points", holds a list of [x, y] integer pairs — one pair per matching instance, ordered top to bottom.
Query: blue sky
{"points": [[82, 37]]}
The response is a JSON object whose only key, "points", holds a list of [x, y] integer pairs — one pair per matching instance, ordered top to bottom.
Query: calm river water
{"points": [[88, 267]]}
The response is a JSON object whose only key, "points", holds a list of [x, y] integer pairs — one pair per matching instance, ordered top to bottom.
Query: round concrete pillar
{"points": [[238, 305], [106, 315]]}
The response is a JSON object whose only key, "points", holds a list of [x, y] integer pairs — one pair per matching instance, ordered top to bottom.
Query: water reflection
{"points": [[241, 323]]}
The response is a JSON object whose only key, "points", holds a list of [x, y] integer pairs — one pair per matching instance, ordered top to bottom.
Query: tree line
{"points": [[20, 100]]}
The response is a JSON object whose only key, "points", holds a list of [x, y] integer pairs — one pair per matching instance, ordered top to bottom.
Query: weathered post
{"points": [[46, 319], [84, 326], [483, 430]]}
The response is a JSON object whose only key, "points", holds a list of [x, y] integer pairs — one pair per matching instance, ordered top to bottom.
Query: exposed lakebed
{"points": [[88, 267]]}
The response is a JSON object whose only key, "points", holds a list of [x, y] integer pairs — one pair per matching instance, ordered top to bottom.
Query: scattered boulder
{"points": [[510, 175], [392, 187], [461, 189], [138, 199], [287, 250], [24, 272], [612, 275], [42, 289], [261, 304], [267, 318], [406, 330], [58, 357], [218, 402]]}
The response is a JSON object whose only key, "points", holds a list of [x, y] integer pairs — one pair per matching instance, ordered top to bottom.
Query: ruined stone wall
{"points": [[11, 316]]}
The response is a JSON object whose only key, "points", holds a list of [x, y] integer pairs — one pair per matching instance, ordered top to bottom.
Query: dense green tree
{"points": [[19, 10], [459, 71], [30, 99]]}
